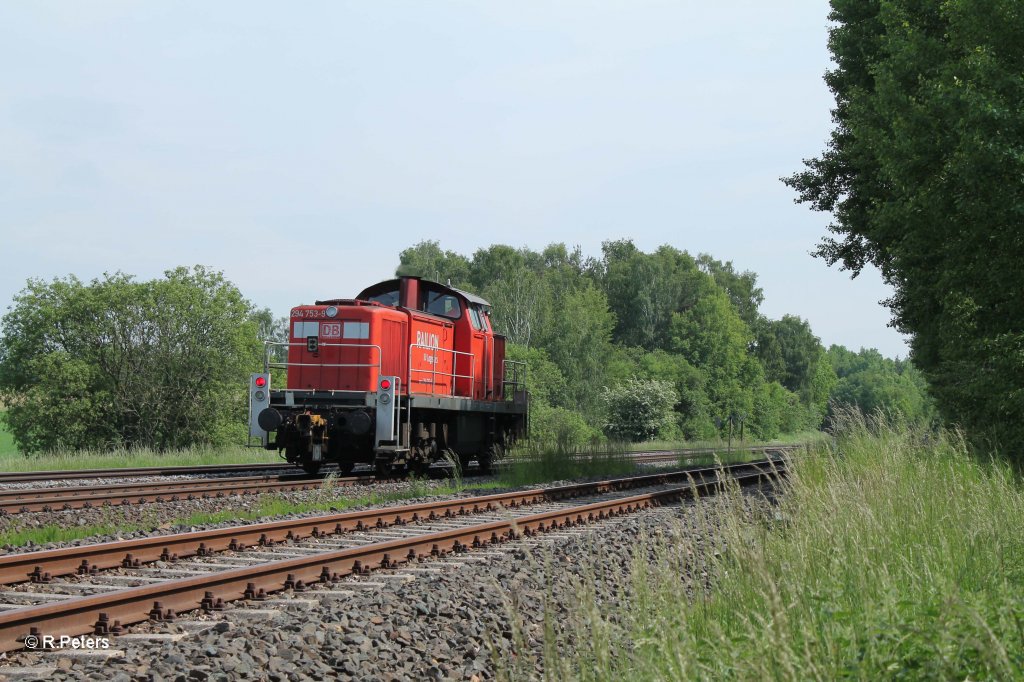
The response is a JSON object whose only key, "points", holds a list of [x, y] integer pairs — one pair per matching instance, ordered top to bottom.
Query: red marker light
{"points": [[261, 382], [385, 384]]}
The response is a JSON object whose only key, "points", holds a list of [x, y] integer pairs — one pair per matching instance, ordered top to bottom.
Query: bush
{"points": [[639, 409], [560, 428]]}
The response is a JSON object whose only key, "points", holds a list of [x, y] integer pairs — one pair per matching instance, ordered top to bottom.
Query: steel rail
{"points": [[135, 472], [130, 488], [12, 503], [40, 566], [105, 614]]}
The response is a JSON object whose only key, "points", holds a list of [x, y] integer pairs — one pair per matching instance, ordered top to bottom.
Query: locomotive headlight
{"points": [[331, 312], [259, 396], [385, 398]]}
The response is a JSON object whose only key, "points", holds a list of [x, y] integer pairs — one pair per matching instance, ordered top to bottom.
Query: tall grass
{"points": [[893, 554]]}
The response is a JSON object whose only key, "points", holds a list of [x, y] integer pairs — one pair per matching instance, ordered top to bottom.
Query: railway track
{"points": [[268, 469], [138, 472], [51, 498], [27, 500], [294, 553]]}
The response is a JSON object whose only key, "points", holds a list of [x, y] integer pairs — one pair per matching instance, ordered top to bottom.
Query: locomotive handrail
{"points": [[268, 363], [433, 368], [517, 383]]}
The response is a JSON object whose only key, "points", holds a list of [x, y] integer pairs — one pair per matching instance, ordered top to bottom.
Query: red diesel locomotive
{"points": [[405, 372]]}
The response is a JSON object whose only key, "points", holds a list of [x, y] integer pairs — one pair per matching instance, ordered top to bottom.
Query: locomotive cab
{"points": [[397, 377]]}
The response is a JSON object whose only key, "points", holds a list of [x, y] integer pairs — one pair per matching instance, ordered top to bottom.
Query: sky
{"points": [[299, 147]]}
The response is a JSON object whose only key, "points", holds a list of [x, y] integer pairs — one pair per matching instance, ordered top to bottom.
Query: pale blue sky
{"points": [[299, 147]]}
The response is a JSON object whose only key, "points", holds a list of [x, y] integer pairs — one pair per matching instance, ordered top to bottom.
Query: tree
{"points": [[924, 176], [427, 260], [741, 287], [645, 290], [520, 301], [578, 340], [793, 356], [120, 363], [872, 383], [693, 410]]}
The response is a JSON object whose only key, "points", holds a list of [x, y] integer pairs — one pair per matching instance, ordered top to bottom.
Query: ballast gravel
{"points": [[475, 616]]}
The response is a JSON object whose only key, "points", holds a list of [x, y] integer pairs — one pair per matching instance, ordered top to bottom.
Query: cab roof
{"points": [[393, 285]]}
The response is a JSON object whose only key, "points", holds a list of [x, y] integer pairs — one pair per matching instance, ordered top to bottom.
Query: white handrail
{"points": [[433, 368]]}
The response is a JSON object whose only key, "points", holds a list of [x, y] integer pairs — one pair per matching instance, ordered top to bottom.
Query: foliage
{"points": [[924, 175], [428, 261], [120, 363], [868, 381], [639, 410], [7, 446], [892, 555]]}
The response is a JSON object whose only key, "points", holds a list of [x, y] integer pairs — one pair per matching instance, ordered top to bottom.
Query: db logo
{"points": [[330, 330]]}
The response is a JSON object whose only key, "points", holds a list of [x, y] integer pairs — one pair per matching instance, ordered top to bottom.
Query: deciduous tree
{"points": [[924, 176], [121, 363]]}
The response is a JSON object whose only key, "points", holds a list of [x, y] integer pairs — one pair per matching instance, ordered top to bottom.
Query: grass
{"points": [[12, 460], [327, 499], [893, 555]]}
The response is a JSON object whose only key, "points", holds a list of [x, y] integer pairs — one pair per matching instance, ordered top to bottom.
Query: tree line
{"points": [[630, 345], [639, 345]]}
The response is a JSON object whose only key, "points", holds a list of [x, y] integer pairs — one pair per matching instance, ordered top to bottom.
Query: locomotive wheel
{"points": [[311, 468], [345, 468], [382, 470]]}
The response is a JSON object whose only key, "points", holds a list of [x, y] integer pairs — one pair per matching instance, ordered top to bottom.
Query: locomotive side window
{"points": [[386, 298], [445, 305], [476, 318], [356, 330]]}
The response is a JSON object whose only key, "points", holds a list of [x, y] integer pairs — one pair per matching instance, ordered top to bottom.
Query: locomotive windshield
{"points": [[441, 303]]}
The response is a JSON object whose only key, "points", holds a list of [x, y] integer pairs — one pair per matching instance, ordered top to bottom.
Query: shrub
{"points": [[639, 409]]}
